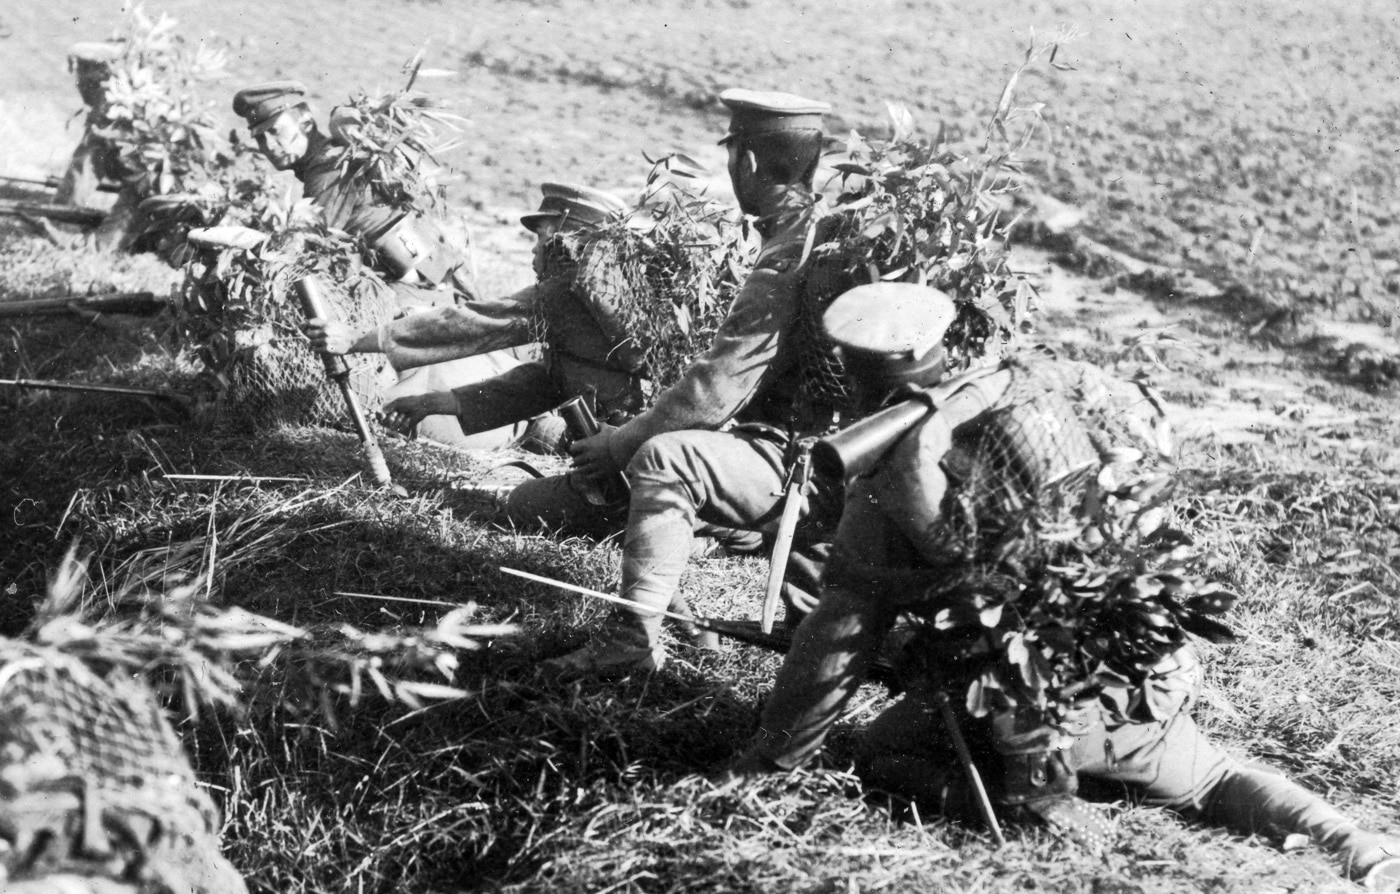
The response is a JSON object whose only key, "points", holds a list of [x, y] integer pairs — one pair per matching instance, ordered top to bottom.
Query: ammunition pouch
{"points": [[416, 245]]}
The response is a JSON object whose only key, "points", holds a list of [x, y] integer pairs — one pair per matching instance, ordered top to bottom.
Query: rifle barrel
{"points": [[67, 213], [112, 302], [175, 400]]}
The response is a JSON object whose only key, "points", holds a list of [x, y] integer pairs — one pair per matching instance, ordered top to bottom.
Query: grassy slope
{"points": [[535, 787]]}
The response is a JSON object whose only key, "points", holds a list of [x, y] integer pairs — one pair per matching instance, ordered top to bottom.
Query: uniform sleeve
{"points": [[450, 333], [722, 380], [910, 485]]}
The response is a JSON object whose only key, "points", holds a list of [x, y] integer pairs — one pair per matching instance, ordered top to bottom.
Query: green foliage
{"points": [[152, 114], [388, 137], [929, 211], [693, 255], [236, 299], [1077, 592]]}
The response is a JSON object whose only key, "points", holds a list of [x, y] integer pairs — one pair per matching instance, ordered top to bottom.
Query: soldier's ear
{"points": [[750, 161]]}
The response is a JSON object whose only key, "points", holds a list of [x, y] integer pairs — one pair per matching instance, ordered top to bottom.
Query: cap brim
{"points": [[532, 222]]}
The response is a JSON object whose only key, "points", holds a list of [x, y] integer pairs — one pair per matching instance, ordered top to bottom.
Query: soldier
{"points": [[95, 161], [409, 248], [410, 251], [587, 349], [681, 468], [900, 549]]}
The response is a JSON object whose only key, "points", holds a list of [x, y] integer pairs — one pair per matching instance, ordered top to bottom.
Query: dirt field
{"points": [[1216, 199]]}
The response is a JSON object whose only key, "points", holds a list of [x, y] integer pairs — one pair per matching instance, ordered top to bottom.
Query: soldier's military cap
{"points": [[97, 50], [262, 103], [759, 111], [575, 206], [891, 319]]}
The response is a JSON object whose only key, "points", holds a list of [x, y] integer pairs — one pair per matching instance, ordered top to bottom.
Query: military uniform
{"points": [[95, 160], [410, 251], [587, 350], [684, 471], [891, 544]]}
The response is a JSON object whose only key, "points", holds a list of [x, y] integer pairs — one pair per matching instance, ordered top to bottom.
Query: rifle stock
{"points": [[142, 303], [779, 640]]}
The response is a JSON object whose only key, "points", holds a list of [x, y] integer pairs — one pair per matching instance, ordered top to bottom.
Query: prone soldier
{"points": [[409, 248], [907, 548]]}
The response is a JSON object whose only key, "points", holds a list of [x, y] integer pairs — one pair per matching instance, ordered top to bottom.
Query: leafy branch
{"points": [[389, 136]]}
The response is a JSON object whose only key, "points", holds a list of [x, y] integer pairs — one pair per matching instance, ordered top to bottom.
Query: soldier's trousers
{"points": [[732, 479], [1168, 763]]}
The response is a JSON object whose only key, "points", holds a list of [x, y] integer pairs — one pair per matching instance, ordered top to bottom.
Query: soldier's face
{"points": [[285, 142], [743, 168], [543, 233]]}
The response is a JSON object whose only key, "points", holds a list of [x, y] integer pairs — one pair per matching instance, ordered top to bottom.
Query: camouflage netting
{"points": [[835, 267], [245, 319], [1026, 472], [1062, 571], [94, 785]]}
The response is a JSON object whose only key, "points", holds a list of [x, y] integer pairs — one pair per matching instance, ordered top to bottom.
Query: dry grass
{"points": [[526, 785]]}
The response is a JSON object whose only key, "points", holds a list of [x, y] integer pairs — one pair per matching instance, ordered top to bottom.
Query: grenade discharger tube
{"points": [[313, 304], [856, 449]]}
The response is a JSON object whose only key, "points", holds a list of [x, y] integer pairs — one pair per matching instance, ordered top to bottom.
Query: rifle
{"points": [[55, 182], [64, 213], [143, 303], [313, 304], [179, 402]]}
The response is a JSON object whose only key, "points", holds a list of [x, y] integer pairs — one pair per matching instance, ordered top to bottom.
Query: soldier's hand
{"points": [[329, 337], [403, 414], [592, 456]]}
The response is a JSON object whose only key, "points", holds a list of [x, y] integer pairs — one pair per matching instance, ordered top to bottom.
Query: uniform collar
{"points": [[318, 148], [795, 206]]}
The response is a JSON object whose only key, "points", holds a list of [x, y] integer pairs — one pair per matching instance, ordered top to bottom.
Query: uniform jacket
{"points": [[344, 204], [352, 207], [587, 348], [749, 373], [889, 525]]}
